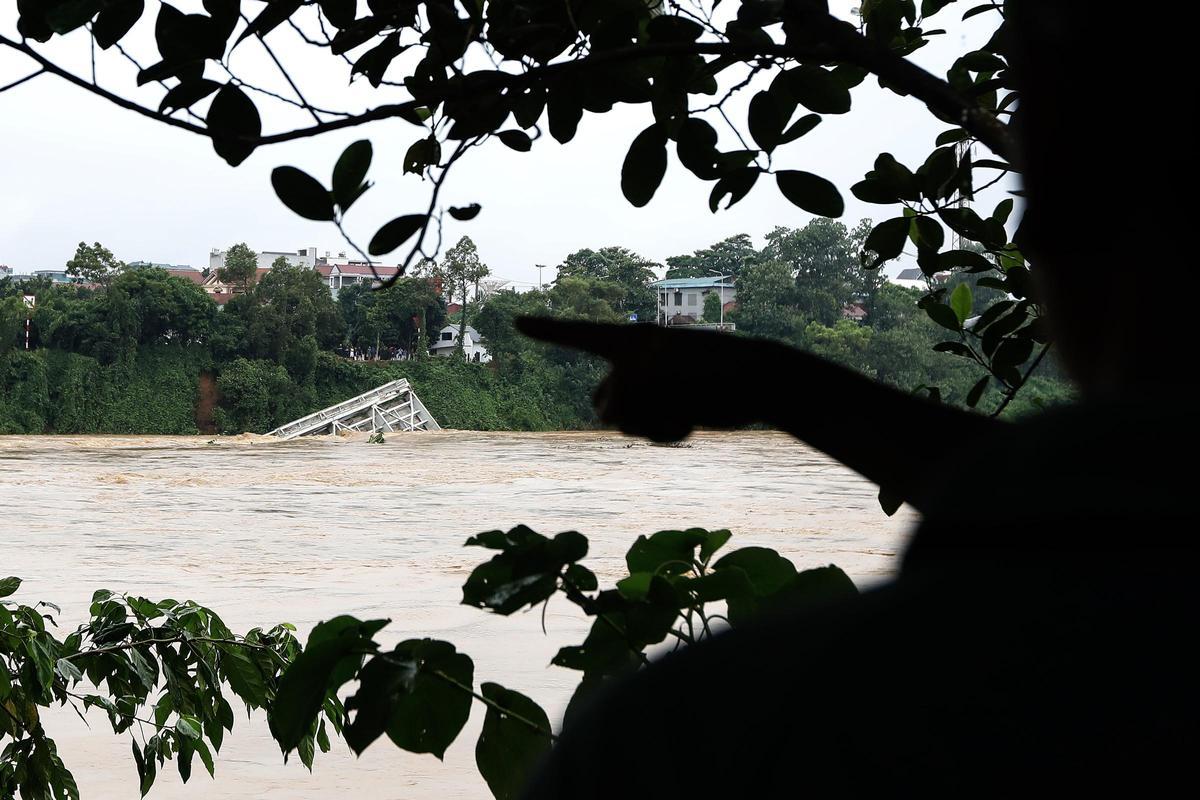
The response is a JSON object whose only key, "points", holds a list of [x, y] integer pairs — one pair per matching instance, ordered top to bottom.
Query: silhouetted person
{"points": [[1040, 636]]}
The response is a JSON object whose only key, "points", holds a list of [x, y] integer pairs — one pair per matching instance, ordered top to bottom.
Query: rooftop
{"points": [[694, 283]]}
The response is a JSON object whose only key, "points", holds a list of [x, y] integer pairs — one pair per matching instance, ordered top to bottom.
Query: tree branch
{"points": [[844, 44]]}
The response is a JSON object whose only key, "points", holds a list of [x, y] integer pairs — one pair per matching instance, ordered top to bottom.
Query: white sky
{"points": [[76, 168]]}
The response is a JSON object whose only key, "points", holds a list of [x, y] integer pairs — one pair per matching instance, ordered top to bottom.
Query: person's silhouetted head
{"points": [[1097, 130]]}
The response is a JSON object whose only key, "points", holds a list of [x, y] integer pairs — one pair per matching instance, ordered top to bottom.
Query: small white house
{"points": [[473, 348]]}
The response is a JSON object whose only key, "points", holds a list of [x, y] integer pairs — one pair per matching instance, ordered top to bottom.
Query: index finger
{"points": [[603, 339]]}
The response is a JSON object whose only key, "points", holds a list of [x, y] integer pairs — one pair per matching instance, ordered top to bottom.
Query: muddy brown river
{"points": [[266, 531]]}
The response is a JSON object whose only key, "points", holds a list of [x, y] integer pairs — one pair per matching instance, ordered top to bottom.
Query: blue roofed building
{"points": [[681, 300]]}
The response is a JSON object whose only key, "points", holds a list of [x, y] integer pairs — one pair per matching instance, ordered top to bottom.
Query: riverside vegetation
{"points": [[125, 352]]}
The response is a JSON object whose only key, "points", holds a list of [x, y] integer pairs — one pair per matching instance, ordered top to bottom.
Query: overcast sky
{"points": [[75, 167]]}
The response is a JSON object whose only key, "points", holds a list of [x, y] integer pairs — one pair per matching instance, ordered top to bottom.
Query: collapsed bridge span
{"points": [[391, 407]]}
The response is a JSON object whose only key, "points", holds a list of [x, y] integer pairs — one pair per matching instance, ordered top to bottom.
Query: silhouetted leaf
{"points": [[339, 12], [270, 18], [115, 20], [817, 89], [185, 95], [768, 115], [234, 124], [800, 127], [516, 140], [696, 147], [644, 166], [350, 172], [736, 184], [810, 192], [302, 193], [464, 213], [925, 232], [395, 233], [886, 240], [975, 262], [976, 393], [9, 585], [508, 749]]}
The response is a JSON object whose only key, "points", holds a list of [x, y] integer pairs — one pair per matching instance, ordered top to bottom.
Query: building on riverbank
{"points": [[681, 300], [473, 347]]}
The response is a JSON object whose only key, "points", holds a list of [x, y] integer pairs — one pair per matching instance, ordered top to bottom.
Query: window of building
{"points": [[679, 298], [691, 298], [447, 336]]}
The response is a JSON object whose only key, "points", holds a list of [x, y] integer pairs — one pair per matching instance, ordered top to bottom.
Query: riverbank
{"points": [[180, 391], [266, 531]]}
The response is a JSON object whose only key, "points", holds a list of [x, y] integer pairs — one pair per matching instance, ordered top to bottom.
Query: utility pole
{"points": [[540, 267], [29, 303]]}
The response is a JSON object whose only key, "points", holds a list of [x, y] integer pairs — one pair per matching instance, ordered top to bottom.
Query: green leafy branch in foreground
{"points": [[159, 671], [419, 693]]}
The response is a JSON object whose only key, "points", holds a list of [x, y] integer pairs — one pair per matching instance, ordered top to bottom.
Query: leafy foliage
{"points": [[162, 672]]}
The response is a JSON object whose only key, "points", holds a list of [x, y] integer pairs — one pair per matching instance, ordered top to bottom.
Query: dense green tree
{"points": [[726, 257], [824, 259], [94, 263], [240, 266], [620, 266], [463, 268], [767, 301], [712, 307], [288, 316], [495, 322]]}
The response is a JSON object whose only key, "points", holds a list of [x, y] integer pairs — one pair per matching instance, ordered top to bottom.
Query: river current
{"points": [[266, 531]]}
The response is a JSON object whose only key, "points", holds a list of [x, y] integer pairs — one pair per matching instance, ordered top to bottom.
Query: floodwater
{"points": [[266, 531]]}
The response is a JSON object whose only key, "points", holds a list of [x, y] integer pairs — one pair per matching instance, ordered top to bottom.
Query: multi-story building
{"points": [[681, 300]]}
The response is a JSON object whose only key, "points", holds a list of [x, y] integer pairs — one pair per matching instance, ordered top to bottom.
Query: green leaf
{"points": [[234, 124], [645, 165], [350, 172], [810, 192], [302, 193], [926, 232], [396, 233], [961, 302], [943, 315], [713, 541], [665, 552], [766, 569], [525, 572], [9, 585], [636, 586], [334, 651], [428, 717], [188, 727], [508, 750]]}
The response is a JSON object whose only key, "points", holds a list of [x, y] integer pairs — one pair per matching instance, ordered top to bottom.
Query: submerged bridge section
{"points": [[390, 407]]}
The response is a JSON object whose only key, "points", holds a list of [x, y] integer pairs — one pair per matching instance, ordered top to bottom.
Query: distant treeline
{"points": [[126, 353]]}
